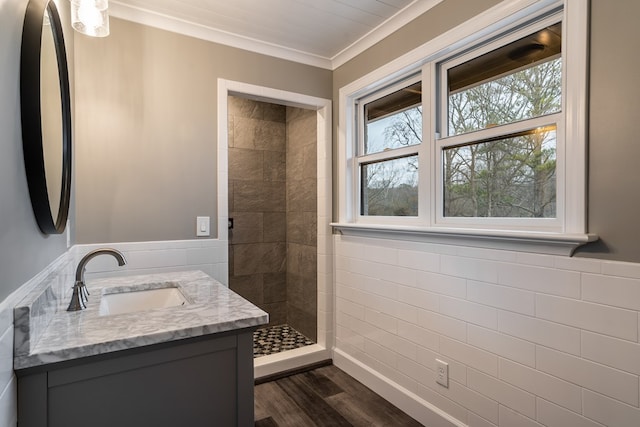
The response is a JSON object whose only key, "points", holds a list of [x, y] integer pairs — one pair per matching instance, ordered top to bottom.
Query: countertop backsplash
{"points": [[33, 314]]}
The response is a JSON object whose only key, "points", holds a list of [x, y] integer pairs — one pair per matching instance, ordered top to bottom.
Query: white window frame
{"points": [[443, 141], [362, 158], [561, 237]]}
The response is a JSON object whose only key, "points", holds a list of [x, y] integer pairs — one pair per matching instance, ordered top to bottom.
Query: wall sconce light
{"points": [[90, 17]]}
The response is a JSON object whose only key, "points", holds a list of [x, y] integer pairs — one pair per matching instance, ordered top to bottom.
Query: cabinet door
{"points": [[170, 387]]}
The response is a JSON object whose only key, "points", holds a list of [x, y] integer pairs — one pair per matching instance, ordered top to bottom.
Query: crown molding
{"points": [[150, 18], [388, 27], [192, 29]]}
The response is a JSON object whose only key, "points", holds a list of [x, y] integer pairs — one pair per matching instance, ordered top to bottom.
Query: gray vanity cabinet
{"points": [[203, 381]]}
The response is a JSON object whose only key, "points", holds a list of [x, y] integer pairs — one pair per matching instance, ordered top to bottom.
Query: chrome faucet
{"points": [[80, 292]]}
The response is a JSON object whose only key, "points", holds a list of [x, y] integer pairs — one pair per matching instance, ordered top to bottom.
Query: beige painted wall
{"points": [[146, 128], [614, 148]]}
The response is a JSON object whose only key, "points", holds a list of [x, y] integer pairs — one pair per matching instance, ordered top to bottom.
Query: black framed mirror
{"points": [[46, 115]]}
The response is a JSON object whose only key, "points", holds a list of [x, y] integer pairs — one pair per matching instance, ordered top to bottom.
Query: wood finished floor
{"points": [[325, 396]]}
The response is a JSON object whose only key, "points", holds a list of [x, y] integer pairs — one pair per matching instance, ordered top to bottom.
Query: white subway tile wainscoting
{"points": [[207, 255], [531, 340]]}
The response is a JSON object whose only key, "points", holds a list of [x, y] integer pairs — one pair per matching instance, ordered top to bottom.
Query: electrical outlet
{"points": [[442, 373]]}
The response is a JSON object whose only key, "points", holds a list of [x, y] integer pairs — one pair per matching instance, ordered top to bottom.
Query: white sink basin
{"points": [[141, 300]]}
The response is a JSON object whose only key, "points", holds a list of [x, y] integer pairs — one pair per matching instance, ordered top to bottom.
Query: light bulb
{"points": [[90, 17]]}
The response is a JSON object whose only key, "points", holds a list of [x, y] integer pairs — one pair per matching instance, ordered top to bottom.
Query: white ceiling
{"points": [[323, 33]]}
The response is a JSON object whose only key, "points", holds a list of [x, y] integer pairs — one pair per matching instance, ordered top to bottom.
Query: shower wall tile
{"points": [[242, 107], [250, 109], [274, 112], [295, 114], [303, 130], [244, 133], [255, 134], [270, 136], [295, 147], [310, 162], [295, 163], [246, 165], [274, 166], [301, 195], [248, 196], [258, 196], [274, 197], [273, 200], [257, 202], [302, 221], [247, 227], [295, 227], [302, 228], [275, 229], [311, 229], [294, 256], [274, 257], [259, 258], [302, 260], [308, 263], [249, 287], [275, 287], [295, 291], [277, 312], [304, 321]]}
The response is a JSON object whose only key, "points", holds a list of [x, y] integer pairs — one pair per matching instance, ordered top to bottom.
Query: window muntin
{"points": [[390, 187]]}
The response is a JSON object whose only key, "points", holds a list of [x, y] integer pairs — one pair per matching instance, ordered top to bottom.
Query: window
{"points": [[501, 108], [480, 132], [391, 134]]}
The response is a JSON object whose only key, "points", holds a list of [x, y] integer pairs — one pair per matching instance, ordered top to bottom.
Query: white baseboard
{"points": [[416, 407]]}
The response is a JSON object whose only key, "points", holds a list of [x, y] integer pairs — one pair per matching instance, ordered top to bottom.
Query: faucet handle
{"points": [[84, 292], [77, 302]]}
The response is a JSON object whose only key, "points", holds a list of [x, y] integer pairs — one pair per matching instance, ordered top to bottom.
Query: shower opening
{"points": [[272, 199]]}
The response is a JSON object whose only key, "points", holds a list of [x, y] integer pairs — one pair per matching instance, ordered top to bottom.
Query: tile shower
{"points": [[273, 203]]}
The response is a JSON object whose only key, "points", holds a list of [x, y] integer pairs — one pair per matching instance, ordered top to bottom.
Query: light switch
{"points": [[202, 226]]}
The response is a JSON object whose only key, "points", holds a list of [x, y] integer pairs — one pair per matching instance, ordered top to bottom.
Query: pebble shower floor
{"points": [[275, 339]]}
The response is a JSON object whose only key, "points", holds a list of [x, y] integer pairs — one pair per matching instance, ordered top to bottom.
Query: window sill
{"points": [[535, 242]]}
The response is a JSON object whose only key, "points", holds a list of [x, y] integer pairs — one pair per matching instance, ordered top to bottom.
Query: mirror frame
{"points": [[30, 92]]}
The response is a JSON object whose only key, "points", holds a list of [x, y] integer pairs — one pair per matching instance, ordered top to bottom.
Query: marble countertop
{"points": [[213, 308]]}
